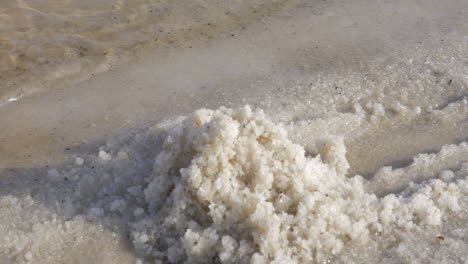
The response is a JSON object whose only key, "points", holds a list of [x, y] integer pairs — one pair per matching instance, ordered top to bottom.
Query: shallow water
{"points": [[48, 42], [390, 78]]}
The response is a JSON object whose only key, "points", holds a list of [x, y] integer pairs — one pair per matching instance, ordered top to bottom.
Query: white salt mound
{"points": [[230, 187]]}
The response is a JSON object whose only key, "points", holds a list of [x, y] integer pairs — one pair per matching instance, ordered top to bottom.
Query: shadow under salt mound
{"points": [[104, 185]]}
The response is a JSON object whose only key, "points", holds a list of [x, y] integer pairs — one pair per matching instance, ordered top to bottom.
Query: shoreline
{"points": [[240, 69]]}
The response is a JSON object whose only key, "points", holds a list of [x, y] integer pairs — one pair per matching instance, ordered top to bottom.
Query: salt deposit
{"points": [[359, 155], [229, 186], [237, 190]]}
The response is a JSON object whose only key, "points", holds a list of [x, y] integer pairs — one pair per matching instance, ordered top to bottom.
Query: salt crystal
{"points": [[104, 155], [79, 161]]}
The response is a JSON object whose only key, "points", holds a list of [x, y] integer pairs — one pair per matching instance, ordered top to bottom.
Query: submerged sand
{"points": [[353, 148]]}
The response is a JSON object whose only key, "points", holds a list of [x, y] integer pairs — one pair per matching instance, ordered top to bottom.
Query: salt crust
{"points": [[230, 187]]}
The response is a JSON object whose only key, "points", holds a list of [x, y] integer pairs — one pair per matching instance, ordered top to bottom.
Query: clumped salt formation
{"points": [[230, 187]]}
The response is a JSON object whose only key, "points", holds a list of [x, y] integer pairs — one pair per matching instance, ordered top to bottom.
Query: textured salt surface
{"points": [[381, 88], [229, 186], [204, 188], [237, 190]]}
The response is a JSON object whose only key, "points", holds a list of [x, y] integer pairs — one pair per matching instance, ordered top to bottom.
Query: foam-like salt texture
{"points": [[379, 88], [230, 187]]}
